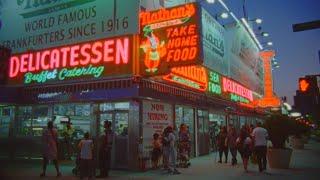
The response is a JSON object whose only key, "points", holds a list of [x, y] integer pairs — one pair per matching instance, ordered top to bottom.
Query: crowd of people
{"points": [[250, 142], [166, 146]]}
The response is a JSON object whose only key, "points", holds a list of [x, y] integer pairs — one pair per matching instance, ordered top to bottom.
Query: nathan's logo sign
{"points": [[169, 38], [87, 60], [191, 76], [237, 91]]}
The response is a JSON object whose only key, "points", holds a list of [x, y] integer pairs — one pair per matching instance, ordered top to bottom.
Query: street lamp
{"points": [[223, 15], [258, 20], [265, 34]]}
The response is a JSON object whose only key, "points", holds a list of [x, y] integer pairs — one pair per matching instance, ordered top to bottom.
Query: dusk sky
{"points": [[297, 52]]}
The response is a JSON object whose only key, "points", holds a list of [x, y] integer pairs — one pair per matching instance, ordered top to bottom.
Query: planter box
{"points": [[298, 143], [279, 158]]}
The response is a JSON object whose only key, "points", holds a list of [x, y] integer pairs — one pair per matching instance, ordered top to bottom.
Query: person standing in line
{"points": [[68, 131], [260, 136], [244, 144], [184, 145], [222, 145], [232, 145], [50, 149], [165, 149], [105, 150], [156, 151], [172, 151], [86, 157]]}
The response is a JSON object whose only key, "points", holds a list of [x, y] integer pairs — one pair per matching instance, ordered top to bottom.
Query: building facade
{"points": [[173, 69]]}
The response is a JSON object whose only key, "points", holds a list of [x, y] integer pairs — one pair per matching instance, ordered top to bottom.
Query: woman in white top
{"points": [[86, 157]]}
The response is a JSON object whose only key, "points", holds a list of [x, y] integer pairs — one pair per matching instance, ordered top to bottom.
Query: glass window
{"points": [[114, 106], [40, 119], [5, 120], [24, 121]]}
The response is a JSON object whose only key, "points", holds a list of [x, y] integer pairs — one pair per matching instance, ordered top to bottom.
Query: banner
{"points": [[40, 24], [214, 45], [156, 117]]}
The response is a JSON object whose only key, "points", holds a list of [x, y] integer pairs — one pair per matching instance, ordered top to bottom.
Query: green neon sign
{"points": [[63, 74], [186, 82], [214, 84], [236, 98]]}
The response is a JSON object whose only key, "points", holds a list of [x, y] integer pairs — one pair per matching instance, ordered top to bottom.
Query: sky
{"points": [[297, 52]]}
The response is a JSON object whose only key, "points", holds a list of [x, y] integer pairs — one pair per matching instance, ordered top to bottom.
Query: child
{"points": [[156, 152], [86, 157]]}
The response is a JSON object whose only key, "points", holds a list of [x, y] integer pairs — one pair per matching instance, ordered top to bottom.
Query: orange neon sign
{"points": [[169, 38], [190, 76], [304, 85], [269, 100]]}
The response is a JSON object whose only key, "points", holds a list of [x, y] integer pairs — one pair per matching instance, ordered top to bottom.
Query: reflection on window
{"points": [[121, 124], [203, 125]]}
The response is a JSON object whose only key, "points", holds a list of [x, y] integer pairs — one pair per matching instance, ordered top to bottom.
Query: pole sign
{"points": [[40, 24], [169, 38], [95, 59]]}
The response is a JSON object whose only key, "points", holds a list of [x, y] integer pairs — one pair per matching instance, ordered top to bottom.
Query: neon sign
{"points": [[169, 38], [91, 59], [190, 76], [214, 84], [303, 85], [235, 88], [269, 99]]}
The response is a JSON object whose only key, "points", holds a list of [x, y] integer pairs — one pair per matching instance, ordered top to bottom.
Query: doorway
{"points": [[120, 121]]}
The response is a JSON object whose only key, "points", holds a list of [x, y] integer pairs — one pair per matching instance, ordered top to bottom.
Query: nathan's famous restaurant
{"points": [[84, 65]]}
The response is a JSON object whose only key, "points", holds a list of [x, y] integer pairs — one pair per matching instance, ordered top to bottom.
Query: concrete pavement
{"points": [[305, 164]]}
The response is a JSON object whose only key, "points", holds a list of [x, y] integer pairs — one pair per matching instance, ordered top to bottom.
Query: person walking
{"points": [[260, 136], [222, 145], [232, 145], [244, 146], [50, 149], [105, 150], [156, 150], [172, 151], [86, 157]]}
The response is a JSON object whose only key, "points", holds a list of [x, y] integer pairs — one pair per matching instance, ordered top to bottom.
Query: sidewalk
{"points": [[305, 164]]}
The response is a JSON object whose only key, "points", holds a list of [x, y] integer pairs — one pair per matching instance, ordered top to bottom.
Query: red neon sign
{"points": [[187, 10], [169, 38], [114, 51], [190, 76], [304, 85], [233, 87]]}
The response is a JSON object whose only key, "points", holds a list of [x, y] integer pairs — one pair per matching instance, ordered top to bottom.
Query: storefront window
{"points": [[114, 106], [6, 114], [78, 114], [40, 119], [24, 121], [203, 124]]}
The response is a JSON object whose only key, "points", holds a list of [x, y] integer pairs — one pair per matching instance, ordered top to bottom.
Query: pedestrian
{"points": [[68, 131], [260, 136], [222, 144], [184, 145], [232, 145], [244, 146], [50, 148], [165, 149], [105, 150], [156, 150], [172, 151], [86, 157]]}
